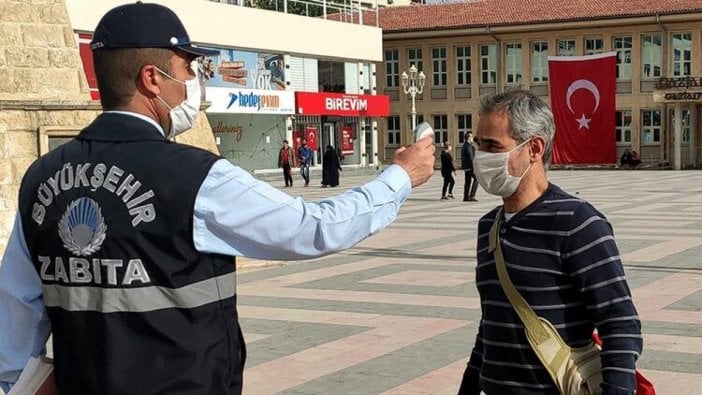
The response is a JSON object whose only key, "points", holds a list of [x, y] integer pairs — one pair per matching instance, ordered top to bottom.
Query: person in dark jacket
{"points": [[304, 157], [285, 160], [625, 160], [330, 168], [447, 172], [471, 184]]}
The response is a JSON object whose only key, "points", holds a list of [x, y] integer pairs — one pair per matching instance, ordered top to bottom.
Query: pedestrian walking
{"points": [[304, 157], [285, 158], [447, 172], [470, 186]]}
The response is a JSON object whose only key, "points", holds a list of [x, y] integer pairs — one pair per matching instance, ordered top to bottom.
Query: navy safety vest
{"points": [[134, 307]]}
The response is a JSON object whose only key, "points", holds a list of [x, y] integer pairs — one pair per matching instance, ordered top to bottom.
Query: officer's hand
{"points": [[417, 160]]}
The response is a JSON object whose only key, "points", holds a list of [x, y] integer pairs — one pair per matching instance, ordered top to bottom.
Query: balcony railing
{"points": [[361, 11]]}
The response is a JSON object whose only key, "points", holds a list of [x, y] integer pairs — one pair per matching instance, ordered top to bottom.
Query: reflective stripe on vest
{"points": [[137, 300]]}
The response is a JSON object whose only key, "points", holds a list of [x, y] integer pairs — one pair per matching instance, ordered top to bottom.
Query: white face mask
{"points": [[183, 116], [492, 172]]}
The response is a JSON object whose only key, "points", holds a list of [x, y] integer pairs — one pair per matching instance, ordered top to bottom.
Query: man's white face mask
{"points": [[183, 116], [492, 172]]}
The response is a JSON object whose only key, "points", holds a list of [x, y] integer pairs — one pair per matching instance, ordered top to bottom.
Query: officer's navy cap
{"points": [[143, 25]]}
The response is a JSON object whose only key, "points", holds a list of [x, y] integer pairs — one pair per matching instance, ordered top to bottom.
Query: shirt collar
{"points": [[140, 116]]}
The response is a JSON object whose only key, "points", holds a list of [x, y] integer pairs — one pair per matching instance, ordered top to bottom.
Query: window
{"points": [[593, 46], [623, 46], [566, 47], [682, 54], [650, 56], [414, 57], [438, 61], [539, 61], [513, 63], [488, 64], [463, 65], [392, 69], [331, 76], [420, 119], [685, 124], [465, 126], [651, 126], [622, 127], [440, 129], [394, 130]]}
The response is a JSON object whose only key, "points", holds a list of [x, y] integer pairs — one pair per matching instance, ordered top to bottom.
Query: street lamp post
{"points": [[413, 84]]}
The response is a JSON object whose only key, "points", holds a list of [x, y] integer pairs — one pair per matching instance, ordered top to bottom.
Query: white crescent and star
{"points": [[583, 121]]}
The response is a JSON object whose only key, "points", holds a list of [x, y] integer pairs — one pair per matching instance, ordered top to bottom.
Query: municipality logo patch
{"points": [[82, 227]]}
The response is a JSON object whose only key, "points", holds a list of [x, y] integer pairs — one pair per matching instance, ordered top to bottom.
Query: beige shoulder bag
{"points": [[576, 371]]}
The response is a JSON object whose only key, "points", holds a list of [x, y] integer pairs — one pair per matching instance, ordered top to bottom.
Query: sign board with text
{"points": [[342, 104]]}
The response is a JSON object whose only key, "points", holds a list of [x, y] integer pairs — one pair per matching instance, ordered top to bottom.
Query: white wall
{"points": [[221, 24]]}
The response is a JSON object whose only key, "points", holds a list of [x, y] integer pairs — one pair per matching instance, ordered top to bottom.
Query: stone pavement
{"points": [[397, 313]]}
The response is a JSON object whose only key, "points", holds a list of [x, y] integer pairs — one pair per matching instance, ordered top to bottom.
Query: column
{"points": [[693, 134], [677, 136], [362, 140], [374, 142]]}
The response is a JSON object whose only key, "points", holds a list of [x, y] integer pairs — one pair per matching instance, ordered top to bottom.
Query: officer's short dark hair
{"points": [[118, 70], [285, 141]]}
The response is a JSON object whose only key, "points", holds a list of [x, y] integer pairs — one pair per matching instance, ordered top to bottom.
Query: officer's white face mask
{"points": [[183, 116], [492, 172]]}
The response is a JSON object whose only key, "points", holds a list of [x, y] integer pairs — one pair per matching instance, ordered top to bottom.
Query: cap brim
{"points": [[198, 51]]}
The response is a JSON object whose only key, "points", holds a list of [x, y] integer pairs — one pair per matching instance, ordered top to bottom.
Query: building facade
{"points": [[471, 49], [250, 87]]}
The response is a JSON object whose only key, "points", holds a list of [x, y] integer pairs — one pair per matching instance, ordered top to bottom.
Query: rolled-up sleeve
{"points": [[236, 214]]}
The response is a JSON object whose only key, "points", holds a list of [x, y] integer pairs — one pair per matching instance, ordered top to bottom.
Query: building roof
{"points": [[477, 13]]}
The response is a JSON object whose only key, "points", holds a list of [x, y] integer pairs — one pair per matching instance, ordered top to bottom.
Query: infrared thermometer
{"points": [[423, 130]]}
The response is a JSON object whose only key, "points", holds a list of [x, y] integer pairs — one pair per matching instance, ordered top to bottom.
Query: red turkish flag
{"points": [[583, 103], [311, 136]]}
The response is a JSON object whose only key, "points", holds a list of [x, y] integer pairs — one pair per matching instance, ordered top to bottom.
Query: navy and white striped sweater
{"points": [[561, 255]]}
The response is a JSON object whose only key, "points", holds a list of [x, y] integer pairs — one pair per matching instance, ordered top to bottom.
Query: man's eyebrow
{"points": [[488, 141]]}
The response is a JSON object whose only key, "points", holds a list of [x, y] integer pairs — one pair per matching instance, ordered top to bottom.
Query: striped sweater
{"points": [[561, 256]]}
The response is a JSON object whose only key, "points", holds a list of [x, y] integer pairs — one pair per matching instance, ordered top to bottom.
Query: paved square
{"points": [[424, 277]]}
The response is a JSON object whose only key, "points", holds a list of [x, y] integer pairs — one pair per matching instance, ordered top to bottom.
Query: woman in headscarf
{"points": [[330, 167]]}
